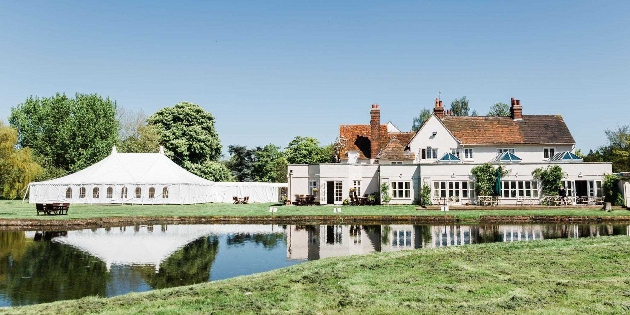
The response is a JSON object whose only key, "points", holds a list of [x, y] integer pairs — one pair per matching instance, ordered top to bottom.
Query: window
{"points": [[505, 150], [456, 152], [549, 152], [429, 153], [468, 153], [396, 162], [356, 184], [312, 185], [519, 188], [401, 190], [453, 190], [338, 191], [82, 192], [95, 192], [110, 192], [138, 192], [151, 192], [165, 192], [68, 193], [123, 193], [402, 238]]}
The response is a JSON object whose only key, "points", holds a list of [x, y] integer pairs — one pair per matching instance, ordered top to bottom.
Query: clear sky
{"points": [[269, 70]]}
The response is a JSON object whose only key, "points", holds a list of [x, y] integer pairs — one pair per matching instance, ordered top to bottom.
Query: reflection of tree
{"points": [[268, 240], [12, 246], [189, 265], [49, 272]]}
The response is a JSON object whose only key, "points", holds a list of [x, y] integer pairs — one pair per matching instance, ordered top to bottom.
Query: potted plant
{"points": [[285, 200]]}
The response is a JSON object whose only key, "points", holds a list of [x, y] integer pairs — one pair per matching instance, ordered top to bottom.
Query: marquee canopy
{"points": [[141, 178]]}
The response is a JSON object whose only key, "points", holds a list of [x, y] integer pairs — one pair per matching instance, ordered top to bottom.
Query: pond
{"points": [[39, 267]]}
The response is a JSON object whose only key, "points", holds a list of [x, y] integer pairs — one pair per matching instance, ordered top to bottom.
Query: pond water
{"points": [[38, 267]]}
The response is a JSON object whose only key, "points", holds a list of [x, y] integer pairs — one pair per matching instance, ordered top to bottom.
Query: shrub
{"points": [[550, 179], [425, 195]]}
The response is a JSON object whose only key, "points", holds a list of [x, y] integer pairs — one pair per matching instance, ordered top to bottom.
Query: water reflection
{"points": [[38, 267]]}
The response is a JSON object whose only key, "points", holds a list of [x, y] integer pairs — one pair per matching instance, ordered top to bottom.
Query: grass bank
{"points": [[13, 212], [586, 276]]}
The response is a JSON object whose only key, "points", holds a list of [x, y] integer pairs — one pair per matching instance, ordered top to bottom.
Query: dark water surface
{"points": [[38, 267]]}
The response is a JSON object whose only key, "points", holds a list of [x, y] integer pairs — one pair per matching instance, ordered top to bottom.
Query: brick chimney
{"points": [[439, 109], [516, 110], [375, 128]]}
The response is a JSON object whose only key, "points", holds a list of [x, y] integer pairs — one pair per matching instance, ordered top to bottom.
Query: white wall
{"points": [[442, 140]]}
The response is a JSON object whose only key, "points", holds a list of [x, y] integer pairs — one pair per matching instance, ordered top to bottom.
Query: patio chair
{"points": [[245, 200], [236, 201]]}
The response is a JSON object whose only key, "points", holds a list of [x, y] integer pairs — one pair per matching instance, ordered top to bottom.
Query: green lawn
{"points": [[19, 210], [570, 276]]}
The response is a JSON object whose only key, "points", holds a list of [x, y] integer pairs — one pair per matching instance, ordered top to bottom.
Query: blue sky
{"points": [[269, 70]]}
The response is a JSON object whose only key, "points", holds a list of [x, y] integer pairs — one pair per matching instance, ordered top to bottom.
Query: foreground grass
{"points": [[10, 209], [568, 276]]}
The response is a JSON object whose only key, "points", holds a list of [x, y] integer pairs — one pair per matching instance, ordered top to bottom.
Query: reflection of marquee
{"points": [[148, 245]]}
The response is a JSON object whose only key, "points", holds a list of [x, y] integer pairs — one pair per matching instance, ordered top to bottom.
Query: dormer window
{"points": [[548, 153]]}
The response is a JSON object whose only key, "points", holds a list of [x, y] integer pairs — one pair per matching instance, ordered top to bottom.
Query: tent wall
{"points": [[221, 192], [113, 194]]}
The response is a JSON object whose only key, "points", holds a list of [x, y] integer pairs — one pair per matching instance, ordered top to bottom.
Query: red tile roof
{"points": [[487, 130], [358, 138], [395, 151]]}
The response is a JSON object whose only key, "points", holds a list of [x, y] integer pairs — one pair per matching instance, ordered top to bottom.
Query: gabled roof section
{"points": [[433, 116], [490, 130], [358, 138], [395, 151], [507, 157], [565, 157], [449, 158]]}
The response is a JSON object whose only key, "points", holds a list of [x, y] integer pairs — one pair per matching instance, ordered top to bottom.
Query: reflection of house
{"points": [[441, 155], [323, 241], [147, 245]]}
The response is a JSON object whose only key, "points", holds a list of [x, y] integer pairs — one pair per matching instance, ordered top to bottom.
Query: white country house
{"points": [[441, 155]]}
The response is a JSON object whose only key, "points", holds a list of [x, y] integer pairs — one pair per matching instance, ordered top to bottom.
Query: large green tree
{"points": [[460, 107], [499, 109], [420, 119], [67, 133], [188, 133], [189, 138], [306, 150], [616, 151], [241, 162], [270, 165], [17, 167]]}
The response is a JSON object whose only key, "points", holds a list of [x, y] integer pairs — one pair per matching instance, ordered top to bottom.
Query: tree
{"points": [[459, 107], [499, 109], [421, 119], [68, 133], [188, 133], [134, 134], [190, 140], [147, 141], [306, 150], [617, 151], [241, 162], [270, 165], [17, 168], [210, 170], [486, 178], [550, 179]]}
